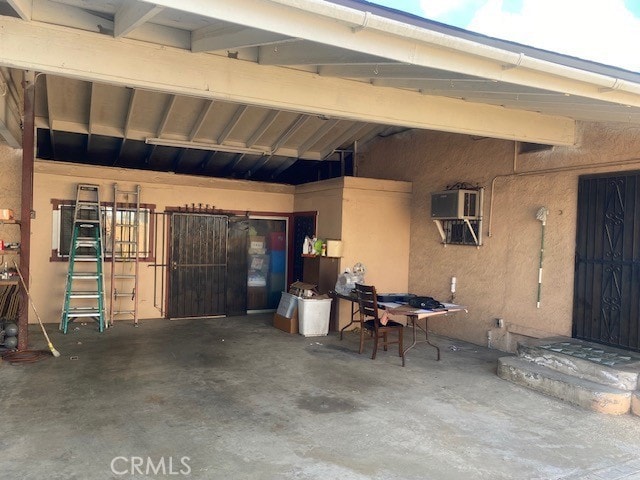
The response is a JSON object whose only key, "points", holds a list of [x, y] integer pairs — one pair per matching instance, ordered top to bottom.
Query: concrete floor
{"points": [[242, 400]]}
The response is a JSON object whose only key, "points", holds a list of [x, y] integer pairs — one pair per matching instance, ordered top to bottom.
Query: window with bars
{"points": [[63, 230]]}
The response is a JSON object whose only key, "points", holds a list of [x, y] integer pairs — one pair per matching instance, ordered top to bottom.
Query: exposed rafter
{"points": [[23, 8], [131, 15], [231, 37], [307, 53], [396, 70], [10, 110], [167, 112], [92, 114], [237, 116], [264, 126], [126, 129], [195, 131], [289, 132], [352, 133], [316, 137], [151, 150], [178, 159], [207, 159], [286, 164], [257, 166], [230, 167]]}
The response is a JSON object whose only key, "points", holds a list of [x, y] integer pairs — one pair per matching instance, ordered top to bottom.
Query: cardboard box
{"points": [[6, 214], [334, 248], [301, 289], [289, 325]]}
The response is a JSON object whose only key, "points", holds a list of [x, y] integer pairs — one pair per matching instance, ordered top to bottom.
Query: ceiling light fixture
{"points": [[164, 142]]}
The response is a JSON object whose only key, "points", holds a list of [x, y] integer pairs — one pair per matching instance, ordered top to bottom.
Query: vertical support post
{"points": [[28, 156]]}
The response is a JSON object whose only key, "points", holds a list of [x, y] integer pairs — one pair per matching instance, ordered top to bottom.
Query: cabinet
{"points": [[323, 272]]}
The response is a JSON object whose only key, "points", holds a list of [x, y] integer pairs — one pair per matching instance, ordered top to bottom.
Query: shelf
{"points": [[9, 222]]}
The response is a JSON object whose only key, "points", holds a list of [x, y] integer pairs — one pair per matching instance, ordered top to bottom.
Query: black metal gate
{"points": [[198, 265], [607, 277]]}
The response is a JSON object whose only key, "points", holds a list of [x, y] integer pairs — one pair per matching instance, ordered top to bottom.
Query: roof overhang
{"points": [[343, 61]]}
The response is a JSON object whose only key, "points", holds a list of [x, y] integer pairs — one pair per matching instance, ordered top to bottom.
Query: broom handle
{"points": [[24, 285]]}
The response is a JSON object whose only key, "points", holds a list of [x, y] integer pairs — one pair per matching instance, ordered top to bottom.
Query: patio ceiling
{"points": [[207, 88]]}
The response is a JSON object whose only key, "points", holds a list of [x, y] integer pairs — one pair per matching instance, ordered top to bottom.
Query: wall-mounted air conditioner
{"points": [[455, 205]]}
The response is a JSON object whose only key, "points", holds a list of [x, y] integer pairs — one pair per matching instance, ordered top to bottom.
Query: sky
{"points": [[604, 31]]}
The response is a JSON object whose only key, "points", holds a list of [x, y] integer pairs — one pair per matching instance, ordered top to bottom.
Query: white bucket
{"points": [[313, 316]]}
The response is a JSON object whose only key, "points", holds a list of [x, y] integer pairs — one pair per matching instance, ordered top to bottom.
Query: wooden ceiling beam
{"points": [[51, 49]]}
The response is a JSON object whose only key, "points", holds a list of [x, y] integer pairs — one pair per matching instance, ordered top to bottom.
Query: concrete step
{"points": [[601, 364], [584, 393], [635, 403]]}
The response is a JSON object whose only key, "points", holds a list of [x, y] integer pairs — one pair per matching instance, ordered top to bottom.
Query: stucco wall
{"points": [[58, 181], [372, 218], [499, 279]]}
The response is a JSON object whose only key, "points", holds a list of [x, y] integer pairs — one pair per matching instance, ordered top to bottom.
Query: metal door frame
{"points": [[287, 222], [221, 254], [607, 260]]}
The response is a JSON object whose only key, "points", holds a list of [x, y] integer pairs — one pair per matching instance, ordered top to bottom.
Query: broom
{"points": [[54, 352]]}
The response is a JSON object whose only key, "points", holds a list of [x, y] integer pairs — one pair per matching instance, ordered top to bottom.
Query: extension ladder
{"points": [[125, 231], [85, 261]]}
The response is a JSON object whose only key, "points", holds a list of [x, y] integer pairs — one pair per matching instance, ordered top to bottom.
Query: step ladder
{"points": [[125, 258], [84, 292]]}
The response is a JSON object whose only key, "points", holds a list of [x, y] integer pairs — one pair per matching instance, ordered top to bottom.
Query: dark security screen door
{"points": [[198, 265], [607, 278]]}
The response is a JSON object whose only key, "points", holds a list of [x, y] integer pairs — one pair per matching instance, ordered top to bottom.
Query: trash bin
{"points": [[313, 316]]}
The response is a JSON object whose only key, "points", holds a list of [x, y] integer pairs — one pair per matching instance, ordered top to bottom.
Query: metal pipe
{"points": [[550, 170], [542, 216]]}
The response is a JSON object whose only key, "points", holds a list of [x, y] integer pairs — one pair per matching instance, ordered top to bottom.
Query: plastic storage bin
{"points": [[287, 305], [313, 316]]}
